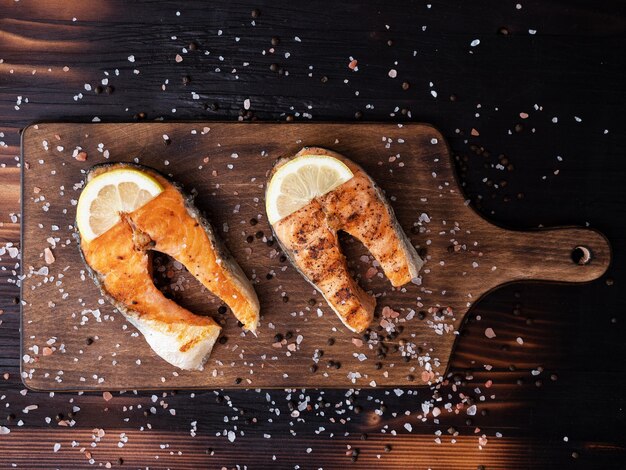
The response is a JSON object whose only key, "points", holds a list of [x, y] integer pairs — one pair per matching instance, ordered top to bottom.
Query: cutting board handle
{"points": [[556, 254]]}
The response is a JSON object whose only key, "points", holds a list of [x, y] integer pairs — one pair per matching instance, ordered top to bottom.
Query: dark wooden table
{"points": [[531, 98]]}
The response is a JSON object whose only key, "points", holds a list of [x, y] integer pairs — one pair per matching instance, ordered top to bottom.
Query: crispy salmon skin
{"points": [[309, 238], [119, 261]]}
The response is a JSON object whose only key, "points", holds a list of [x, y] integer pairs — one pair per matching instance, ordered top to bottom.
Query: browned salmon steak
{"points": [[357, 206]]}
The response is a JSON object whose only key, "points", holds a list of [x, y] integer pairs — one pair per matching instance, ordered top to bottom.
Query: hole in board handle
{"points": [[581, 255]]}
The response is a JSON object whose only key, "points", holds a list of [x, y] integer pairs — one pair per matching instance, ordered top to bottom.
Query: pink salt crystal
{"points": [[179, 58], [352, 65], [523, 115], [474, 132], [81, 156], [36, 190], [48, 256], [371, 272], [489, 333], [357, 342], [277, 345], [292, 347], [47, 351], [425, 376], [107, 396]]}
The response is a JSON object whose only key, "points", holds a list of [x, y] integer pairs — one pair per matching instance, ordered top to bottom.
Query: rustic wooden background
{"points": [[534, 114]]}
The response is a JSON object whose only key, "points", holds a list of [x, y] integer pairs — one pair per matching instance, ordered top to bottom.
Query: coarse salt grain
{"points": [[48, 255]]}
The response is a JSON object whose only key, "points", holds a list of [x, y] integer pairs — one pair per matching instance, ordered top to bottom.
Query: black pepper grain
{"points": [[275, 40]]}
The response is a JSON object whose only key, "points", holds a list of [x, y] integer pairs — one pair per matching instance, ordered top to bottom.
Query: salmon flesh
{"points": [[309, 238], [119, 261]]}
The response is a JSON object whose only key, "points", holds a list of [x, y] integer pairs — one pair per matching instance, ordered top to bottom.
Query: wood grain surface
{"points": [[533, 114], [67, 327]]}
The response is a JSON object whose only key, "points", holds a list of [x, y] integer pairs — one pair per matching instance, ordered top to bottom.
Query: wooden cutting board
{"points": [[74, 340]]}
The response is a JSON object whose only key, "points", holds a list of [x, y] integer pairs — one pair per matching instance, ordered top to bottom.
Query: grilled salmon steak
{"points": [[309, 235], [119, 260]]}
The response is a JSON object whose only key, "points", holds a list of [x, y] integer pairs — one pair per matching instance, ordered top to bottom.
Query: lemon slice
{"points": [[300, 180], [109, 194]]}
